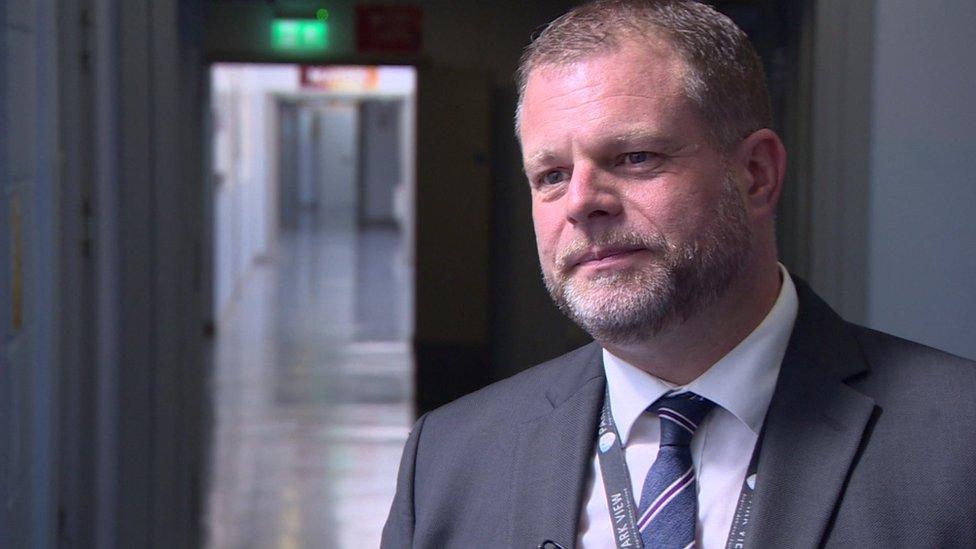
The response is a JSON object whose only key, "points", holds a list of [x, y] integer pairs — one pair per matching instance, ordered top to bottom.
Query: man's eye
{"points": [[638, 157], [553, 177]]}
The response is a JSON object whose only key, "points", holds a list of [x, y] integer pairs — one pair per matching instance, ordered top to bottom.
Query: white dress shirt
{"points": [[740, 384]]}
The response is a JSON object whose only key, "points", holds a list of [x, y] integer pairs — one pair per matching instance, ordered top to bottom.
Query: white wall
{"points": [[245, 199], [922, 214]]}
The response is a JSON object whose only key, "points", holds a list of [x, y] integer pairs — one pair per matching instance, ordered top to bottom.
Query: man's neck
{"points": [[682, 352]]}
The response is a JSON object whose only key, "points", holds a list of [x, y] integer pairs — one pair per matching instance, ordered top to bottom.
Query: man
{"points": [[722, 403]]}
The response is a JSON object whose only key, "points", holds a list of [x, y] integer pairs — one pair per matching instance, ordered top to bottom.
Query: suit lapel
{"points": [[814, 427], [812, 433], [553, 456]]}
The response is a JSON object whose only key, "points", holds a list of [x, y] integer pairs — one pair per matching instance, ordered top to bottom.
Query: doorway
{"points": [[312, 192]]}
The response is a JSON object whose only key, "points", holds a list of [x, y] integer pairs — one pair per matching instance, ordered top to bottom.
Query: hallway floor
{"points": [[312, 394]]}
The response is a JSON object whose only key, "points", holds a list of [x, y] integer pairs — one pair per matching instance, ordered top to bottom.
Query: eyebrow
{"points": [[639, 135], [652, 139], [543, 156]]}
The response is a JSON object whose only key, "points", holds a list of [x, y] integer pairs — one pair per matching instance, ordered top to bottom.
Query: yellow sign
{"points": [[16, 264]]}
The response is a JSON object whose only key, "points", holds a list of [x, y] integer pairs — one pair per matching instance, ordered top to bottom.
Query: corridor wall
{"points": [[245, 187]]}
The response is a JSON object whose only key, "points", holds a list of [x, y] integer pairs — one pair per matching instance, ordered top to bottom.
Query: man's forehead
{"points": [[651, 49], [628, 71], [621, 111]]}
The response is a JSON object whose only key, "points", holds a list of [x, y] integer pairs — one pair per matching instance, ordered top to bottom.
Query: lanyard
{"points": [[622, 503]]}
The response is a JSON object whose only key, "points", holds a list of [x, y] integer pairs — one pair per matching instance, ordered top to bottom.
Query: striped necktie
{"points": [[668, 505]]}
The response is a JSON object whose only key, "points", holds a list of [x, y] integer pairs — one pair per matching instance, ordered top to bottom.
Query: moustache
{"points": [[567, 257]]}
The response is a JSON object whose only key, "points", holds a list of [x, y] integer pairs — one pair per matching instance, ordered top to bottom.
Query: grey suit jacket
{"points": [[870, 441]]}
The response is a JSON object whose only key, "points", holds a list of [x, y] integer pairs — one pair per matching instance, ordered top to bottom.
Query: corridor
{"points": [[312, 388]]}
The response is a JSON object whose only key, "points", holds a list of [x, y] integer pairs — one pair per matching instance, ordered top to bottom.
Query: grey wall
{"points": [[922, 214], [29, 243], [132, 416]]}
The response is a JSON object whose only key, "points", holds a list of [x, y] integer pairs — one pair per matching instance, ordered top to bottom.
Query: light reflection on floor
{"points": [[312, 395]]}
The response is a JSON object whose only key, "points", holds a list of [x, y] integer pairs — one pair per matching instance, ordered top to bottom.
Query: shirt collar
{"points": [[741, 382]]}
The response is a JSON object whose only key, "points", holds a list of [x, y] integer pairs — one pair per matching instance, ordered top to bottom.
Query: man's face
{"points": [[638, 223]]}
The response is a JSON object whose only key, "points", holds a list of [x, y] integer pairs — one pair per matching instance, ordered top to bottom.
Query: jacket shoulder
{"points": [[889, 355], [917, 386], [512, 395], [461, 456]]}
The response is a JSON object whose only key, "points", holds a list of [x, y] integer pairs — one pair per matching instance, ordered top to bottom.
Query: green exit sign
{"points": [[299, 35]]}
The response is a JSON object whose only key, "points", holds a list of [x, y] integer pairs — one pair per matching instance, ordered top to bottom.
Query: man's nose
{"points": [[591, 196]]}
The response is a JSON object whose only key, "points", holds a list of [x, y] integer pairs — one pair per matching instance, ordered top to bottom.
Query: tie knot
{"points": [[681, 414]]}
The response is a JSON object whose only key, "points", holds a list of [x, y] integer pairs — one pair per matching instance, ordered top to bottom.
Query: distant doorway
{"points": [[313, 267]]}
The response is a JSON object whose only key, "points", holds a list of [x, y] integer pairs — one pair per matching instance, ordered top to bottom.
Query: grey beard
{"points": [[684, 279]]}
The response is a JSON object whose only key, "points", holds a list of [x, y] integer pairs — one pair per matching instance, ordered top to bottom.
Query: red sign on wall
{"points": [[388, 29]]}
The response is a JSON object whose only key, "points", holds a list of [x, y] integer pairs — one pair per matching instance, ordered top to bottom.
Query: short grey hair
{"points": [[724, 77]]}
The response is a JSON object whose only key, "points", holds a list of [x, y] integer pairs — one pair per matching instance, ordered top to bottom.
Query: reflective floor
{"points": [[312, 394]]}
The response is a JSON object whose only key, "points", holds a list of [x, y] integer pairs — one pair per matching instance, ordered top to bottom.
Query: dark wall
{"points": [[781, 31], [523, 327]]}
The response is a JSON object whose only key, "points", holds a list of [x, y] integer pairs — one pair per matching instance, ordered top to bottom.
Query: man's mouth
{"points": [[603, 255]]}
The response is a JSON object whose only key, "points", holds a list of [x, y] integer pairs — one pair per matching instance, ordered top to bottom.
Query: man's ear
{"points": [[760, 162]]}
